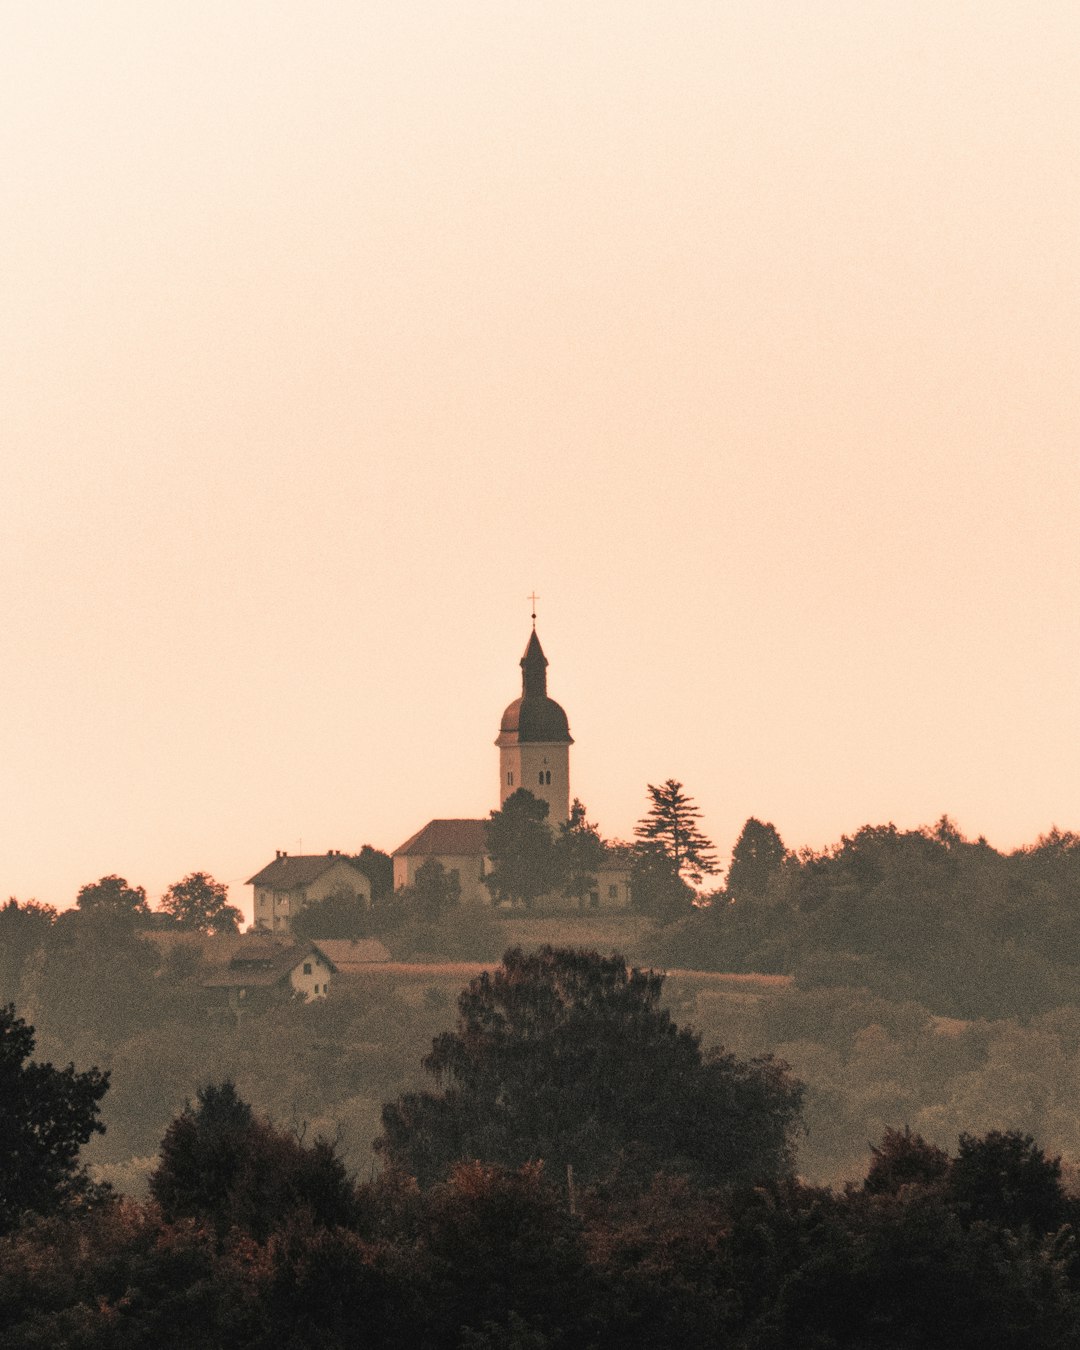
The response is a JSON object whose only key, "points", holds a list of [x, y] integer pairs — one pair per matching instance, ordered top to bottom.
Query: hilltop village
{"points": [[534, 753], [318, 917]]}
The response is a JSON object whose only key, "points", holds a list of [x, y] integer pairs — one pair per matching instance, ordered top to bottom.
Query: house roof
{"points": [[448, 838], [288, 871], [217, 949], [347, 956], [262, 964]]}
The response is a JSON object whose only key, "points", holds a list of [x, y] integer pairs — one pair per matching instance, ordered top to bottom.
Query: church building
{"points": [[534, 752]]}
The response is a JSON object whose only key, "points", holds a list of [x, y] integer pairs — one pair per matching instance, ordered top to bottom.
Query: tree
{"points": [[671, 823], [521, 849], [580, 853], [758, 854], [378, 867], [656, 888], [434, 891], [112, 897], [201, 904], [341, 914], [24, 929], [95, 981], [567, 1057], [46, 1115], [904, 1159], [219, 1163], [1005, 1179], [503, 1254]]}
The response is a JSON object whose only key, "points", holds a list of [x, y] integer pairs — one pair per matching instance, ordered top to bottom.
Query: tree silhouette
{"points": [[671, 823], [522, 850], [759, 852], [580, 854], [434, 891], [111, 896], [201, 904], [567, 1057], [46, 1115], [904, 1159], [220, 1163], [1004, 1178]]}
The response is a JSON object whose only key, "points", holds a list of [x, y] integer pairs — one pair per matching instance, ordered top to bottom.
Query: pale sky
{"points": [[746, 333]]}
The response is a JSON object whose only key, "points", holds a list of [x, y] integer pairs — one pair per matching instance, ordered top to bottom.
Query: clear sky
{"points": [[746, 333]]}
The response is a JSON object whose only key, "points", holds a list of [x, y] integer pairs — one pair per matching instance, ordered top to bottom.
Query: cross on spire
{"points": [[534, 597]]}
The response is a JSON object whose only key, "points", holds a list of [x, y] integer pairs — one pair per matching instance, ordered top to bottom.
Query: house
{"points": [[286, 885], [261, 970]]}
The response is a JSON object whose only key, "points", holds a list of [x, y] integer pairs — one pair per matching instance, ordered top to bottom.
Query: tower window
{"points": [[541, 778], [547, 778], [510, 779]]}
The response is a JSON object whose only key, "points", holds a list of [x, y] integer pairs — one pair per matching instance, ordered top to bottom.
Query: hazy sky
{"points": [[746, 333]]}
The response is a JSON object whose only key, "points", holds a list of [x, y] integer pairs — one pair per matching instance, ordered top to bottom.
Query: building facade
{"points": [[290, 882]]}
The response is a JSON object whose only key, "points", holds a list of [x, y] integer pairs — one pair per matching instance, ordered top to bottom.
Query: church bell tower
{"points": [[534, 740]]}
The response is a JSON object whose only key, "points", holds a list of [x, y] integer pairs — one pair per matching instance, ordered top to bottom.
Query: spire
{"points": [[534, 669]]}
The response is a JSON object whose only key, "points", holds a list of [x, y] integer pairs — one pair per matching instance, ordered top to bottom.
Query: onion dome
{"points": [[534, 718]]}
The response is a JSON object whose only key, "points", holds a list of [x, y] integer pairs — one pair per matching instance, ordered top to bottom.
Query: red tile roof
{"points": [[448, 839]]}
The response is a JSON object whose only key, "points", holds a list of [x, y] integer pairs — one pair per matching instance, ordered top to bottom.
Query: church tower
{"points": [[534, 740]]}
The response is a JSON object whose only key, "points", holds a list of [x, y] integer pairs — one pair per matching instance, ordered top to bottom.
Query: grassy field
{"points": [[605, 933], [410, 981]]}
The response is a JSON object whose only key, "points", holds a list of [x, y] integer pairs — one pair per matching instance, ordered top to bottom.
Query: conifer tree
{"points": [[671, 823]]}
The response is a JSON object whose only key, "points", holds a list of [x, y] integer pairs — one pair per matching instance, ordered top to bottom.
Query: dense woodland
{"points": [[934, 983], [931, 1008], [578, 1171]]}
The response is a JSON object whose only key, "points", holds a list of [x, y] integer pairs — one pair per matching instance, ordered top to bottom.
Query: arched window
{"points": [[510, 778], [541, 778], [547, 778]]}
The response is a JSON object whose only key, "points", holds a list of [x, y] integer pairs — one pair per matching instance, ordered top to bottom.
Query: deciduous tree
{"points": [[522, 850], [580, 854], [378, 867], [656, 888], [434, 892], [111, 896], [201, 904], [341, 914], [24, 929], [567, 1057], [46, 1115], [904, 1159], [219, 1163], [1005, 1178]]}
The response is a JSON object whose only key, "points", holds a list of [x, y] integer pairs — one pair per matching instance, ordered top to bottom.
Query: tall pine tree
{"points": [[671, 823]]}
